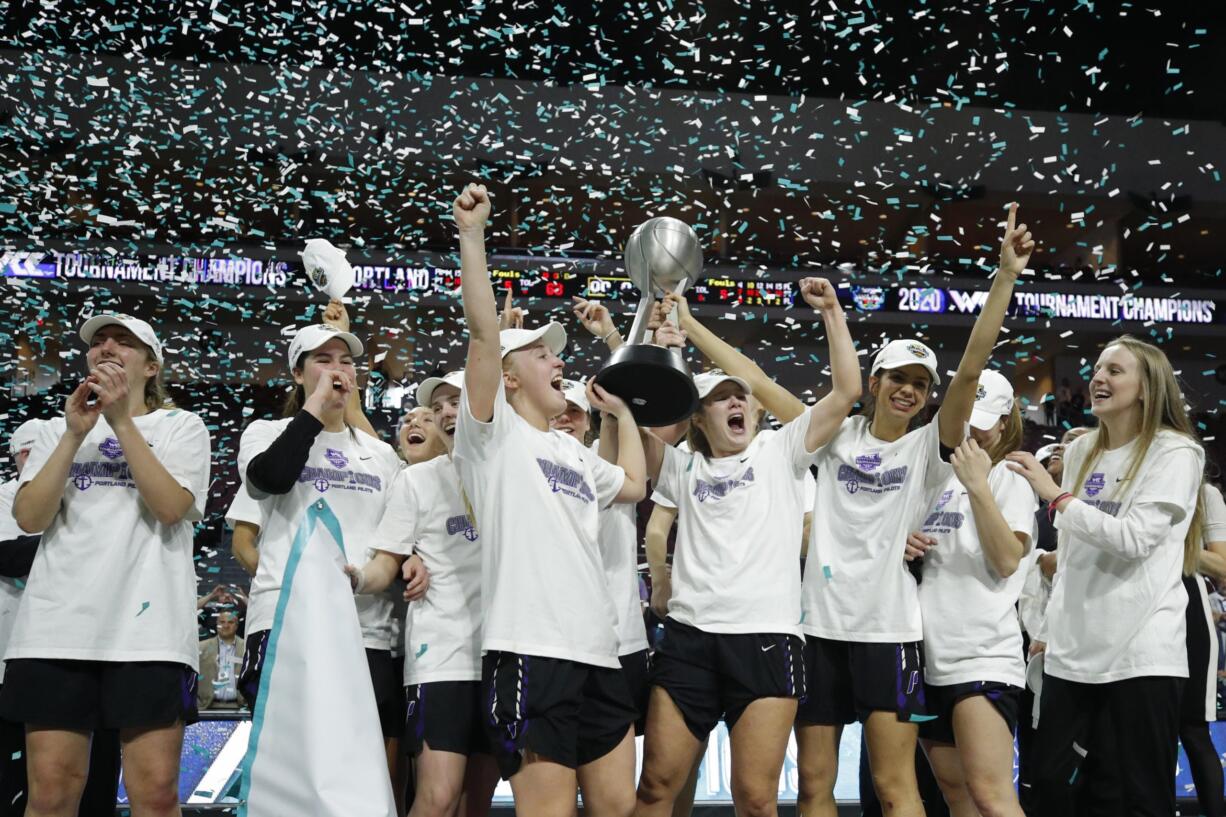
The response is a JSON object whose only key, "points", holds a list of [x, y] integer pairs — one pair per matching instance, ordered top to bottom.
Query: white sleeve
{"points": [[792, 436], [473, 438], [46, 441], [255, 441], [188, 459], [936, 470], [672, 475], [608, 479], [1159, 505], [244, 508], [1215, 514], [397, 531]]}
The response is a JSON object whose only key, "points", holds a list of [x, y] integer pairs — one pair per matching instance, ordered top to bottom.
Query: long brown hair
{"points": [[155, 389], [1163, 408]]}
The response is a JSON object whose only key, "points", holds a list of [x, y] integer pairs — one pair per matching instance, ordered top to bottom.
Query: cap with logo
{"points": [[142, 330], [552, 333], [310, 338], [904, 352], [707, 382], [425, 390], [576, 392], [993, 400], [23, 438], [1044, 453]]}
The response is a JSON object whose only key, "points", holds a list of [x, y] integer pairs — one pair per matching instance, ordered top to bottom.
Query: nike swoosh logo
{"points": [[363, 459], [771, 647]]}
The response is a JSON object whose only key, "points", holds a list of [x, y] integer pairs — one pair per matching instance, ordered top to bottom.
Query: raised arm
{"points": [[1015, 250], [336, 315], [483, 368], [845, 388], [773, 397], [629, 447]]}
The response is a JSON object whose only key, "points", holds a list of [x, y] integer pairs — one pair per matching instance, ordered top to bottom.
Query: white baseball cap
{"points": [[327, 268], [142, 330], [552, 333], [310, 338], [904, 352], [706, 382], [425, 390], [576, 392], [993, 399], [23, 438], [1046, 451]]}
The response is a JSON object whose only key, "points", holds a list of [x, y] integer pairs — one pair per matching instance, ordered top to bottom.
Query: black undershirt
{"points": [[275, 470]]}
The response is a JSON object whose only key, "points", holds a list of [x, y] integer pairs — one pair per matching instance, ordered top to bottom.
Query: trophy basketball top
{"points": [[662, 253]]}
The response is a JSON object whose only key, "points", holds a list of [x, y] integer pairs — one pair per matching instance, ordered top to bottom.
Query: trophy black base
{"points": [[653, 380]]}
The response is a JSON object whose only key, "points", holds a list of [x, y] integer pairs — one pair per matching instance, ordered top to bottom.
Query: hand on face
{"points": [[109, 383]]}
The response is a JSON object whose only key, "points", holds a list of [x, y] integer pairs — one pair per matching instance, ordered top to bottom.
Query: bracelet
{"points": [[612, 332], [1051, 506]]}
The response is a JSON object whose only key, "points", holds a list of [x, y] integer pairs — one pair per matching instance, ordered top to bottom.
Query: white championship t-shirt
{"points": [[351, 471], [538, 494], [871, 494], [426, 515], [619, 535], [736, 566], [109, 581], [10, 589], [1118, 605], [971, 630]]}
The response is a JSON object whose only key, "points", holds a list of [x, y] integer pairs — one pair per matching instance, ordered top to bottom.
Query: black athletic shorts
{"points": [[253, 667], [636, 669], [718, 675], [849, 680], [389, 693], [91, 695], [941, 701], [568, 712], [446, 716]]}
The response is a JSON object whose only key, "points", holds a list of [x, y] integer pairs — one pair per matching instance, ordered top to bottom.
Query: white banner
{"points": [[316, 746]]}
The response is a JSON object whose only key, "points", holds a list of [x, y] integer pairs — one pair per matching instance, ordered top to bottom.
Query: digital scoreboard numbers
{"points": [[733, 292]]}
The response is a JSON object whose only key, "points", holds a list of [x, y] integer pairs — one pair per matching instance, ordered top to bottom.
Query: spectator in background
{"points": [[221, 657]]}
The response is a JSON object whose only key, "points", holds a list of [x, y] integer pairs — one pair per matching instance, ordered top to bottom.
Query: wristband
{"points": [[612, 332], [1051, 506]]}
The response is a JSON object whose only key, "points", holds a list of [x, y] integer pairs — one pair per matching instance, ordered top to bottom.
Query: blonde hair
{"points": [[155, 389], [1162, 408], [1010, 438]]}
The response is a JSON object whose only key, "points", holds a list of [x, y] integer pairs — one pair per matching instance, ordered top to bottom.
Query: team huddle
{"points": [[525, 650]]}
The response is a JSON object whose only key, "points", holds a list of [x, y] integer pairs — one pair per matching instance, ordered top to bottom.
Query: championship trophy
{"points": [[662, 256]]}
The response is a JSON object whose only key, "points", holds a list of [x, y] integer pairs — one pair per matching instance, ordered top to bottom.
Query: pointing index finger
{"points": [[1012, 223]]}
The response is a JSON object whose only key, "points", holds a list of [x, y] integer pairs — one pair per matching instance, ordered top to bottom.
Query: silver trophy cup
{"points": [[662, 255]]}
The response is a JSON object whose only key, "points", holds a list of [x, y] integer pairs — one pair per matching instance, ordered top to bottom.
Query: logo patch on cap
{"points": [[917, 349], [981, 393]]}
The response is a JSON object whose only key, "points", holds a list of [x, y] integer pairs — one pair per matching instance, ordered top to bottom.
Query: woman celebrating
{"points": [[316, 452], [427, 516], [973, 541], [861, 606], [105, 637], [731, 646], [1116, 659], [557, 709]]}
